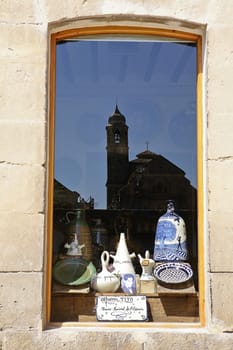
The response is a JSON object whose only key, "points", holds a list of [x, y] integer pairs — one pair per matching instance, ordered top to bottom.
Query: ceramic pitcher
{"points": [[147, 265], [105, 281]]}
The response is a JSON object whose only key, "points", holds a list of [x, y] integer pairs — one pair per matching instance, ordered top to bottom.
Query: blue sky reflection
{"points": [[154, 85]]}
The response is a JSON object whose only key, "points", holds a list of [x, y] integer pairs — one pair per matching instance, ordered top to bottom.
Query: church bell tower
{"points": [[117, 157]]}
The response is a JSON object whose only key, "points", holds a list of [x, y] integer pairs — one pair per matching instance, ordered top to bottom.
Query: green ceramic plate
{"points": [[73, 271]]}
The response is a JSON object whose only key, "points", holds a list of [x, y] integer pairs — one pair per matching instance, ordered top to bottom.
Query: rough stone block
{"points": [[70, 9], [25, 11], [218, 14], [216, 45], [32, 46], [23, 69], [219, 71], [24, 95], [219, 97], [220, 141], [22, 142], [220, 183], [22, 188], [221, 243], [21, 244], [221, 295], [21, 300], [126, 339], [221, 341]]}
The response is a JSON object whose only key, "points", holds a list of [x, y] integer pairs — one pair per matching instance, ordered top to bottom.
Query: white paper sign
{"points": [[121, 308]]}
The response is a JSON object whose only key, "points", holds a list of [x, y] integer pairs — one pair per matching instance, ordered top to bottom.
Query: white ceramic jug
{"points": [[105, 281]]}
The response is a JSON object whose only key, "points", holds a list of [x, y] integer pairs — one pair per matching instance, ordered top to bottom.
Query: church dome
{"points": [[116, 117]]}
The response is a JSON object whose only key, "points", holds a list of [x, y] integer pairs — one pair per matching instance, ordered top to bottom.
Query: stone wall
{"points": [[23, 143]]}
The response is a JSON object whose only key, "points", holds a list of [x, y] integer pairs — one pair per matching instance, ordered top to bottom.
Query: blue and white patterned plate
{"points": [[173, 273]]}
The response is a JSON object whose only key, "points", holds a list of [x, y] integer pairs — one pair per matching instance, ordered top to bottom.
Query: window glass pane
{"points": [[125, 144]]}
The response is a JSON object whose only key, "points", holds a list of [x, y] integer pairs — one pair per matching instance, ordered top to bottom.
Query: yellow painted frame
{"points": [[124, 30]]}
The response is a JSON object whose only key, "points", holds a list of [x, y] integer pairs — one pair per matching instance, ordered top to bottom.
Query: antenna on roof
{"points": [[147, 144]]}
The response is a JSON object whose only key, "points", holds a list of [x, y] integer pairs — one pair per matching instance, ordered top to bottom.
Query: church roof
{"points": [[116, 117], [146, 155]]}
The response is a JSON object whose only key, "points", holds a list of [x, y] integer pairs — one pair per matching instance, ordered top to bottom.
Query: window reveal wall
{"points": [[123, 143]]}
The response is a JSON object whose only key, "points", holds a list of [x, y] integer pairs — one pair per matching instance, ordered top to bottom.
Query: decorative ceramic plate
{"points": [[73, 271], [173, 273]]}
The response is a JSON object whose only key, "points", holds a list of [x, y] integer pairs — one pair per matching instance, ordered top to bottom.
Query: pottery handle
{"points": [[140, 257], [105, 259]]}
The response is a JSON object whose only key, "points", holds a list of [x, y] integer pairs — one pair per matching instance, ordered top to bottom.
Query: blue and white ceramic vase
{"points": [[170, 237]]}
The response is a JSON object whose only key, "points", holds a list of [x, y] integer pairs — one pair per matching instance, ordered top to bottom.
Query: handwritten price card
{"points": [[121, 308]]}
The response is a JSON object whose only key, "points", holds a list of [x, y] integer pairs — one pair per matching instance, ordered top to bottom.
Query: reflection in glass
{"points": [[153, 84], [125, 144]]}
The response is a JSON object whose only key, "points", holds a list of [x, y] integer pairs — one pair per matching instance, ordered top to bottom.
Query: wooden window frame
{"points": [[129, 31]]}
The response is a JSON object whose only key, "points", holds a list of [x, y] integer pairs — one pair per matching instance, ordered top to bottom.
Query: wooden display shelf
{"points": [[166, 305]]}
